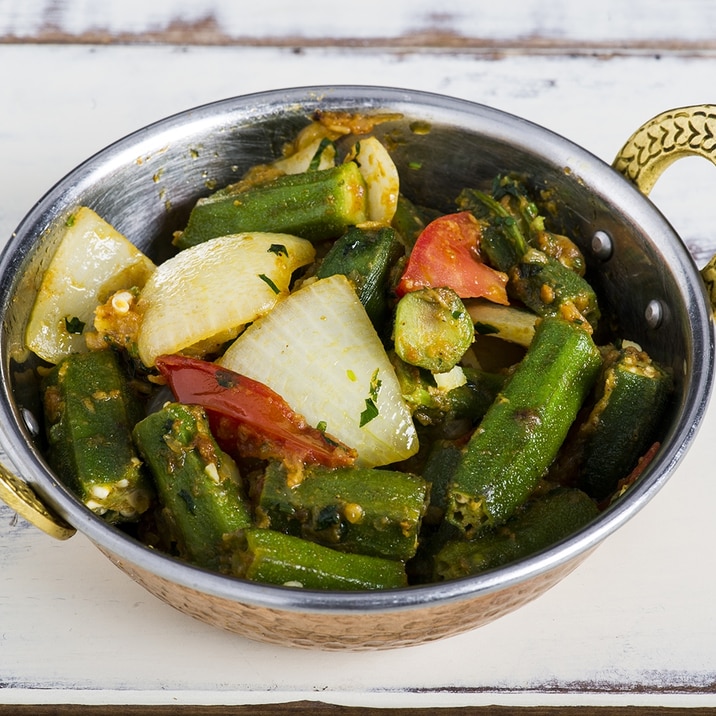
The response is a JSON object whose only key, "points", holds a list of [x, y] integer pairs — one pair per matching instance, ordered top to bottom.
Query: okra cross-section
{"points": [[632, 394], [524, 428], [368, 511], [541, 523]]}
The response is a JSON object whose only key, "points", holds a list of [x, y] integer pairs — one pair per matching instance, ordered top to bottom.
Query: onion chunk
{"points": [[206, 294], [320, 352]]}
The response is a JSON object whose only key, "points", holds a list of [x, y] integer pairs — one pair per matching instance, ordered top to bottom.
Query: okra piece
{"points": [[512, 194], [313, 205], [408, 221], [366, 257], [541, 282], [546, 286], [432, 329], [631, 396], [430, 404], [90, 410], [523, 429], [439, 470], [198, 485], [366, 511], [543, 521], [276, 558]]}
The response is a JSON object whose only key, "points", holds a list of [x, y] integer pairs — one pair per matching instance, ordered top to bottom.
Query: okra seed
{"points": [[602, 245], [122, 301], [654, 313], [212, 473], [96, 507], [353, 512]]}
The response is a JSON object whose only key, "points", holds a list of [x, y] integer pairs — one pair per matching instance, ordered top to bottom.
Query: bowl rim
{"points": [[15, 438]]}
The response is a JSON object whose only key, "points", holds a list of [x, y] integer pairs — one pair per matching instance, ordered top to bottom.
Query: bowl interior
{"points": [[146, 183]]}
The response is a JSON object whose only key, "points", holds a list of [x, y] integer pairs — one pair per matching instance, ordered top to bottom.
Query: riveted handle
{"points": [[671, 135], [19, 496]]}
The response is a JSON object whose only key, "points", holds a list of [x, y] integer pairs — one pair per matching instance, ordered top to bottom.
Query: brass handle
{"points": [[671, 135], [20, 497]]}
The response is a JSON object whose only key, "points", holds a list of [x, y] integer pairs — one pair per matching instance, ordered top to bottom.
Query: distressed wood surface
{"points": [[557, 26], [633, 626]]}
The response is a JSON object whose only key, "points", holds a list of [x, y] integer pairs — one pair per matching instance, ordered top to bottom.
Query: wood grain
{"points": [[611, 27], [312, 708]]}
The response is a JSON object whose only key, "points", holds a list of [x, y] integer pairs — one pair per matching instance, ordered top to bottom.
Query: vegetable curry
{"points": [[331, 386]]}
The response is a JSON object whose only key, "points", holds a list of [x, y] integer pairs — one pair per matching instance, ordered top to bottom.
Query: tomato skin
{"points": [[447, 254], [247, 417]]}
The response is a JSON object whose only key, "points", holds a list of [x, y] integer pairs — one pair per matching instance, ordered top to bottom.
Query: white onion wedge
{"points": [[300, 161], [381, 178], [92, 261], [209, 292], [512, 324], [320, 352]]}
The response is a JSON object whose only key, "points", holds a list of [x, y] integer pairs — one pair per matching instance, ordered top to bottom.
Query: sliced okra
{"points": [[90, 410]]}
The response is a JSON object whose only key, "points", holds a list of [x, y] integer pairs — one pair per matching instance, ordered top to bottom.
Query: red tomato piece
{"points": [[447, 254], [247, 417]]}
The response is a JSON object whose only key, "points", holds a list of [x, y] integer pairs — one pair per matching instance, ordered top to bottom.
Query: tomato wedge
{"points": [[447, 254], [247, 418]]}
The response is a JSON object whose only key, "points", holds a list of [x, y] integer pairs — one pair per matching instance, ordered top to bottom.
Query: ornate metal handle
{"points": [[671, 135], [17, 495]]}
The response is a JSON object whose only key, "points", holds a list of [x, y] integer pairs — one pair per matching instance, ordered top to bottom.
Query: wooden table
{"points": [[632, 627]]}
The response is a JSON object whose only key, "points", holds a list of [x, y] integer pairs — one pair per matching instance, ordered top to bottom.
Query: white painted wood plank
{"points": [[608, 20], [632, 625]]}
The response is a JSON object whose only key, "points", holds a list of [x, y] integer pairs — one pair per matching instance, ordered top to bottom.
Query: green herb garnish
{"points": [[316, 158], [278, 249], [269, 283], [74, 325], [485, 329], [371, 409], [370, 412]]}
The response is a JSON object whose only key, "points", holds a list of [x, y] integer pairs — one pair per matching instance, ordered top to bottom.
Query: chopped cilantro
{"points": [[316, 159], [278, 249], [269, 283], [74, 325], [485, 329], [225, 379], [375, 384], [371, 409], [370, 412], [322, 427]]}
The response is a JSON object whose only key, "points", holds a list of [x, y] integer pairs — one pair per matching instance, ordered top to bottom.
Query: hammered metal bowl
{"points": [[145, 185]]}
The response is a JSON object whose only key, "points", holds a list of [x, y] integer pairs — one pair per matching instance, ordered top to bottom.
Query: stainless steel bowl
{"points": [[145, 185]]}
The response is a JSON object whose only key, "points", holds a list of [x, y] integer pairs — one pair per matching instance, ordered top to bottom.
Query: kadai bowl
{"points": [[351, 367]]}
